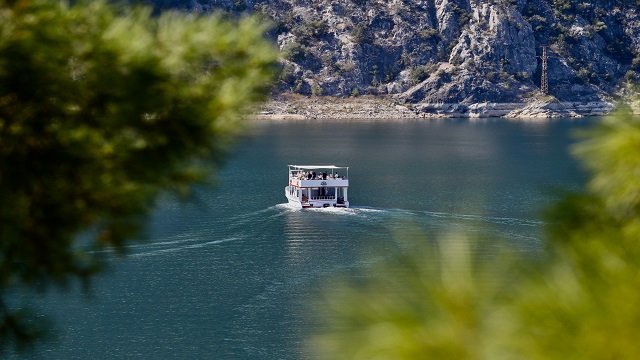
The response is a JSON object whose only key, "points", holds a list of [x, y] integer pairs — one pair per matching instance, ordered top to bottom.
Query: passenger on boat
{"points": [[324, 175]]}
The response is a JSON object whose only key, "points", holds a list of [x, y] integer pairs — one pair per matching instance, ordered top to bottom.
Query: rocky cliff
{"points": [[450, 51]]}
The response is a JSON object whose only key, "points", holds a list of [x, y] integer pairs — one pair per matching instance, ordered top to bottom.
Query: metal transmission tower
{"points": [[544, 81]]}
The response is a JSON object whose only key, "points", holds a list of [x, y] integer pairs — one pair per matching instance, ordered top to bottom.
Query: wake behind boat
{"points": [[317, 186]]}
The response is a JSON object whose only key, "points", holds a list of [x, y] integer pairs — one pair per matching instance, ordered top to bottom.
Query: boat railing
{"points": [[319, 178], [323, 198]]}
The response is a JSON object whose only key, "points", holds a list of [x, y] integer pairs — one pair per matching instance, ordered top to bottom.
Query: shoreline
{"points": [[298, 107]]}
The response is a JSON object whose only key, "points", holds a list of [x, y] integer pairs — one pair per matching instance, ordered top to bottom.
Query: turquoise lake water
{"points": [[231, 275]]}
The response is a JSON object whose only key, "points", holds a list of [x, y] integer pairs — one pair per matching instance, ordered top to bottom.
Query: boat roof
{"points": [[313, 167]]}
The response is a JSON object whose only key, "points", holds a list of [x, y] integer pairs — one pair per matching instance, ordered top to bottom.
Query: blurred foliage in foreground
{"points": [[101, 108], [578, 301]]}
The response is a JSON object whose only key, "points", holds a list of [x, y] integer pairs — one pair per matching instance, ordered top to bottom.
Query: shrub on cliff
{"points": [[314, 29], [430, 33], [360, 34], [295, 52], [635, 63], [421, 73]]}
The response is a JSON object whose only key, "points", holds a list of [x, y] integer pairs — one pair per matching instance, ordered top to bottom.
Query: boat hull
{"points": [[314, 203]]}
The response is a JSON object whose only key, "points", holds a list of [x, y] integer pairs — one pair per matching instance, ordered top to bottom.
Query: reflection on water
{"points": [[230, 276]]}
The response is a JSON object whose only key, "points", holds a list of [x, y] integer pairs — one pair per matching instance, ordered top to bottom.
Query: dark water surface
{"points": [[230, 276]]}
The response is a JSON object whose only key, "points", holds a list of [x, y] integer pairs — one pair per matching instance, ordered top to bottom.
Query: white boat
{"points": [[317, 186]]}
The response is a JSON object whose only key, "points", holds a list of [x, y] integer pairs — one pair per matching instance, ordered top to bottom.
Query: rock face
{"points": [[450, 51]]}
